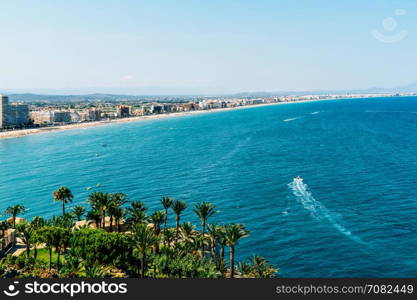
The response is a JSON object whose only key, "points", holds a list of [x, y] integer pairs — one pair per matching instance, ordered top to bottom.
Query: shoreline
{"points": [[25, 132]]}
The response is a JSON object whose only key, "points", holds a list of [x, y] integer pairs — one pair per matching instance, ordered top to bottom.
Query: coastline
{"points": [[25, 132]]}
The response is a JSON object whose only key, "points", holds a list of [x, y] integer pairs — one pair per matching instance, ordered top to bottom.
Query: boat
{"points": [[298, 178]]}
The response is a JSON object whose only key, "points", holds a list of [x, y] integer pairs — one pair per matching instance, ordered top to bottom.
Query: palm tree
{"points": [[64, 195], [100, 201], [116, 201], [166, 203], [104, 204], [178, 207], [204, 210], [14, 211], [78, 211], [137, 213], [118, 214], [157, 219], [65, 221], [36, 223], [187, 231], [25, 233], [214, 233], [234, 233], [46, 235], [188, 235], [169, 236], [61, 237], [144, 239], [36, 240], [222, 240], [198, 243], [261, 268], [245, 269]]}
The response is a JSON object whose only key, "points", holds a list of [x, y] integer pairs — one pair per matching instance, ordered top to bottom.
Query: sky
{"points": [[157, 47]]}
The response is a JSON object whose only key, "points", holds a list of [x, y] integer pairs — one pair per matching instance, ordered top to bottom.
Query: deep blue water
{"points": [[357, 217]]}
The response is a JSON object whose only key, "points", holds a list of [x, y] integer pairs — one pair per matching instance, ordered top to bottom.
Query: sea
{"points": [[354, 214]]}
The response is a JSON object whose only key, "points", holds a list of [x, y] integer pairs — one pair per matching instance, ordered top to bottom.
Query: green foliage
{"points": [[78, 211], [94, 216], [157, 219], [65, 221], [37, 222], [4, 225], [188, 231], [26, 233], [144, 238], [96, 246], [55, 248], [43, 257], [72, 266], [189, 266], [257, 267], [95, 271]]}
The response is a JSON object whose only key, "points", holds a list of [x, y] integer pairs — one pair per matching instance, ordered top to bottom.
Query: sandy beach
{"points": [[25, 132]]}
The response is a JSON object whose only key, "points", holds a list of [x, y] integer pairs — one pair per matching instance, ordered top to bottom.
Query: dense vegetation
{"points": [[126, 241]]}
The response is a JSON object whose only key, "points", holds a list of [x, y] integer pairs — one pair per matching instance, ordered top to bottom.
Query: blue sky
{"points": [[216, 46]]}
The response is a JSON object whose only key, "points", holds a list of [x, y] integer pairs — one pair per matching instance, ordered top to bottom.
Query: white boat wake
{"points": [[291, 119], [318, 210]]}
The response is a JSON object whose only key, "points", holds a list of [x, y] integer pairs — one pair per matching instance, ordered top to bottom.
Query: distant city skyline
{"points": [[217, 47], [409, 88]]}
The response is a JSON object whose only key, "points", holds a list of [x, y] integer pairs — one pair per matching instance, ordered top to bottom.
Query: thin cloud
{"points": [[126, 78]]}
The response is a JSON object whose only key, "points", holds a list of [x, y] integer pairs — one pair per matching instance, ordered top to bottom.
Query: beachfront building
{"points": [[3, 110], [123, 111], [139, 111], [91, 114], [12, 115], [42, 117], [50, 117], [62, 117], [75, 117]]}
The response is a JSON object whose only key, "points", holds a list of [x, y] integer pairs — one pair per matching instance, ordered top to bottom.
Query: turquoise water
{"points": [[354, 215]]}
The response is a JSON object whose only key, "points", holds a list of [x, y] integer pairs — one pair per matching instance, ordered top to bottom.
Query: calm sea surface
{"points": [[355, 214]]}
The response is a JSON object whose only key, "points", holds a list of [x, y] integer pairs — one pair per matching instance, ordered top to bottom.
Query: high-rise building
{"points": [[4, 101], [12, 115]]}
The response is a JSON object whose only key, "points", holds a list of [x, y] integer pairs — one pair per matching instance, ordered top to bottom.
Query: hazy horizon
{"points": [[206, 48], [160, 91]]}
